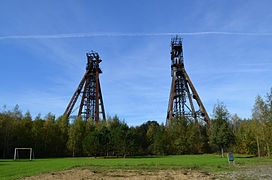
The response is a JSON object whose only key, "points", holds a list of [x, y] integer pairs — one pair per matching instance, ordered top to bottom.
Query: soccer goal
{"points": [[16, 153]]}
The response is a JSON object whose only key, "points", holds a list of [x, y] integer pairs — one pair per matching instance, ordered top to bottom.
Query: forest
{"points": [[57, 137]]}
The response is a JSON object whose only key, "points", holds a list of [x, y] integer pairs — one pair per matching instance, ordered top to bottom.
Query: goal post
{"points": [[16, 152]]}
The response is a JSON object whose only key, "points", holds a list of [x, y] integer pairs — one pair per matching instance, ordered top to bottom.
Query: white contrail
{"points": [[110, 34]]}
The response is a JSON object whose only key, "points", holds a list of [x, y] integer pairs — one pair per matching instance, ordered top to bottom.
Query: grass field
{"points": [[10, 169]]}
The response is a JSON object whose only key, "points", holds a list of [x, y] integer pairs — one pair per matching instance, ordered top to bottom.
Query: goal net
{"points": [[16, 152]]}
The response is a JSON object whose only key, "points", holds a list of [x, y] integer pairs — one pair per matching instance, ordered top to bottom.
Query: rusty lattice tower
{"points": [[184, 100], [91, 105]]}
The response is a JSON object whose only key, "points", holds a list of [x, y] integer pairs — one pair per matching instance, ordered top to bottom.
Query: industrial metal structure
{"points": [[90, 89], [184, 100]]}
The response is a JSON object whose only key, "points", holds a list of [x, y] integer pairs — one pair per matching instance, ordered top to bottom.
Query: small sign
{"points": [[230, 158]]}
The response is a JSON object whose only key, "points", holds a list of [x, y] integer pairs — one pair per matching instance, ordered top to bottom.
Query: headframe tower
{"points": [[184, 100], [91, 105]]}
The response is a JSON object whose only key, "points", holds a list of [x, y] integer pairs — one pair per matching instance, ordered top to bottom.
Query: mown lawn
{"points": [[10, 169]]}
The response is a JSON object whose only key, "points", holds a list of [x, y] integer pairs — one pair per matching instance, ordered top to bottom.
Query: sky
{"points": [[43, 44]]}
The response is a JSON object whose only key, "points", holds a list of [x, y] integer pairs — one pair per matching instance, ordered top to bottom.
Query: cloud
{"points": [[111, 34]]}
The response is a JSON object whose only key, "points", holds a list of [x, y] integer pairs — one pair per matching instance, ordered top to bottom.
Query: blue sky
{"points": [[43, 46]]}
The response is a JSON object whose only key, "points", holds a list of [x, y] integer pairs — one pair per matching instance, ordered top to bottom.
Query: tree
{"points": [[258, 117], [235, 120], [268, 123], [62, 124], [6, 126], [22, 131], [221, 133], [50, 135], [76, 135], [177, 135], [37, 136], [150, 136], [245, 138], [194, 139], [160, 140], [92, 144]]}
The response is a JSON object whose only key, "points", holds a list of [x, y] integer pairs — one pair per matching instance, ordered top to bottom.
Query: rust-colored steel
{"points": [[182, 90], [75, 96], [196, 96], [97, 98], [82, 99], [91, 100], [101, 101]]}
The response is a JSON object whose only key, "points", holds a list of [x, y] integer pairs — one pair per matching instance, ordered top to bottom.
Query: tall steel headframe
{"points": [[184, 100], [91, 105]]}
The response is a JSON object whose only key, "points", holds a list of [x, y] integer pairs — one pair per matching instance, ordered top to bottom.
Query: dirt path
{"points": [[248, 172], [124, 174]]}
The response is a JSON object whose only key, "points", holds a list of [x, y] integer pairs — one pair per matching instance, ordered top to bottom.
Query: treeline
{"points": [[254, 136], [50, 137], [57, 137]]}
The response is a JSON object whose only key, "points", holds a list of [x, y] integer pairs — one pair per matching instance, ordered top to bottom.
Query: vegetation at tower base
{"points": [[221, 133], [56, 137]]}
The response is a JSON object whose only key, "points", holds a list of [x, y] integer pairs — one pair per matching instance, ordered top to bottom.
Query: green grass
{"points": [[10, 169]]}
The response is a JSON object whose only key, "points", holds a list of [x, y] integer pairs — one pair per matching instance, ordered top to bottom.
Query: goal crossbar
{"points": [[30, 152]]}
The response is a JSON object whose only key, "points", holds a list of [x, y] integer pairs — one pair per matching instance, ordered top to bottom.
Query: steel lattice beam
{"points": [[182, 90], [91, 100]]}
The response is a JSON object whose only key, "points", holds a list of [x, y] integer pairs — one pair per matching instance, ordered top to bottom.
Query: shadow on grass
{"points": [[128, 157], [245, 157], [23, 160]]}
